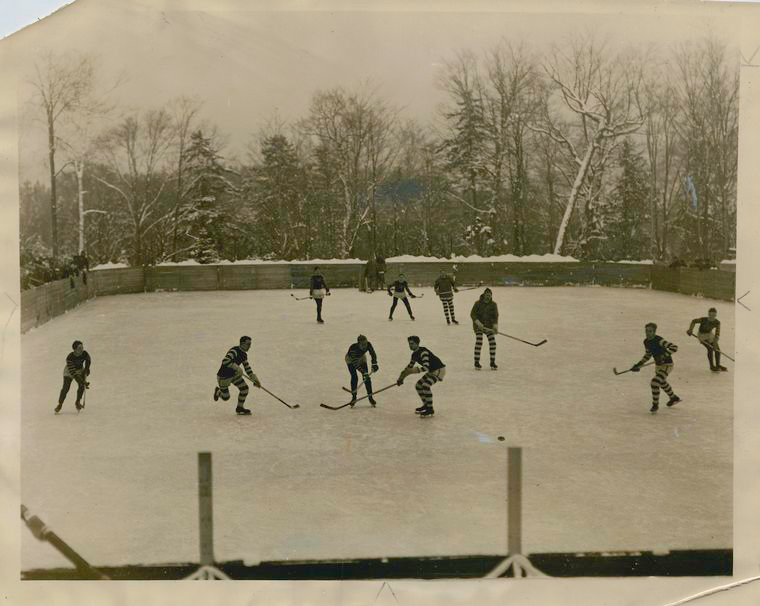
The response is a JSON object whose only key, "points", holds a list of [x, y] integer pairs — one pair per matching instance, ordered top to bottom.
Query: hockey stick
{"points": [[478, 285], [299, 298], [521, 341], [715, 349], [622, 372], [369, 374], [271, 394], [358, 399], [283, 401]]}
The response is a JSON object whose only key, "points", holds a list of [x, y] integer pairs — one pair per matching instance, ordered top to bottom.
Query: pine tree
{"points": [[206, 195], [629, 226]]}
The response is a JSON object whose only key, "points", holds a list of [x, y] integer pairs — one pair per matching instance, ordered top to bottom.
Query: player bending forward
{"points": [[708, 338], [658, 347], [356, 359], [76, 369], [434, 371], [230, 372]]}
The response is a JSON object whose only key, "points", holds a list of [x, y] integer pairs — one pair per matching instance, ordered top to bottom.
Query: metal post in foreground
{"points": [[514, 501], [205, 509], [520, 565]]}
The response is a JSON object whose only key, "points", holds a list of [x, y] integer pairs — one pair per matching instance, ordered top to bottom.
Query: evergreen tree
{"points": [[207, 193], [629, 226]]}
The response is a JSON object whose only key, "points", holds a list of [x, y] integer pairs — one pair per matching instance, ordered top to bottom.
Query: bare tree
{"points": [[511, 81], [61, 84], [598, 88], [708, 92], [184, 114], [353, 135], [136, 153]]}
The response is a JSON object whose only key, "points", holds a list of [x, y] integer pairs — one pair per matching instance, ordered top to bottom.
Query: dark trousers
{"points": [[406, 302], [319, 308], [355, 377], [65, 389]]}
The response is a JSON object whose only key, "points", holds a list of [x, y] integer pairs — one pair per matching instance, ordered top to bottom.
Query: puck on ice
{"points": [[501, 438]]}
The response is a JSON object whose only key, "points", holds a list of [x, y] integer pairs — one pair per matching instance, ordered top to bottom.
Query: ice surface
{"points": [[119, 480]]}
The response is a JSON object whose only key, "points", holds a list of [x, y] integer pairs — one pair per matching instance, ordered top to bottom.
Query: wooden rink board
{"points": [[39, 305]]}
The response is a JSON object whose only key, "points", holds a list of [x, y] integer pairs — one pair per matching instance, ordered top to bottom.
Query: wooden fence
{"points": [[38, 305]]}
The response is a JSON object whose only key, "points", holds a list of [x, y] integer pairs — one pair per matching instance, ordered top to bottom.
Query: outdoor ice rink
{"points": [[119, 480]]}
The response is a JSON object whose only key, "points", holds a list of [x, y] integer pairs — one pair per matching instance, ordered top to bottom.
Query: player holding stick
{"points": [[445, 288], [485, 318], [708, 338], [657, 347], [356, 359], [76, 369], [434, 371], [230, 372]]}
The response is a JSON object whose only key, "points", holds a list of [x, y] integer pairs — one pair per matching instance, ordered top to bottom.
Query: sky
{"points": [[16, 15], [249, 67]]}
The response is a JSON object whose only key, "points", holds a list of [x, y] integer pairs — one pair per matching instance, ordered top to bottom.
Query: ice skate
{"points": [[478, 366], [493, 366], [372, 401], [673, 401], [58, 408], [654, 408], [420, 409], [242, 411], [427, 411]]}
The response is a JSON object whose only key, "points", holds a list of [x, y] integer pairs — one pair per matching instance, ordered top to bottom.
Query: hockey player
{"points": [[445, 288], [318, 289], [398, 291], [485, 318], [708, 338], [657, 347], [356, 359], [77, 368], [230, 371], [434, 371]]}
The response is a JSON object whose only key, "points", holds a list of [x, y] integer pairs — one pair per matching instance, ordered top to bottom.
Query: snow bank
{"points": [[547, 258], [185, 262], [728, 262], [109, 265]]}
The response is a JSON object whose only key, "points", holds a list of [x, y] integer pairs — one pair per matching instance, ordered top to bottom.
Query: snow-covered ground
{"points": [[119, 480]]}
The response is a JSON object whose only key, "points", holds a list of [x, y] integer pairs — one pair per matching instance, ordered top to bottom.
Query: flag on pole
{"points": [[691, 192]]}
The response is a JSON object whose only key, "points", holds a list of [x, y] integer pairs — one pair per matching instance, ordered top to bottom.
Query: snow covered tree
{"points": [[598, 89], [135, 153], [208, 188], [280, 196], [629, 210]]}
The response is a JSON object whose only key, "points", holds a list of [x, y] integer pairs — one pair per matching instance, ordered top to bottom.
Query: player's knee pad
{"points": [[224, 394]]}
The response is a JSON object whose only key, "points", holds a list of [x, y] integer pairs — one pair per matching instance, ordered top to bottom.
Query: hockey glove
{"points": [[688, 332], [375, 368], [635, 368]]}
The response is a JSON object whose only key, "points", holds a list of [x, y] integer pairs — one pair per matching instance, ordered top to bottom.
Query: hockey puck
{"points": [[501, 438]]}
